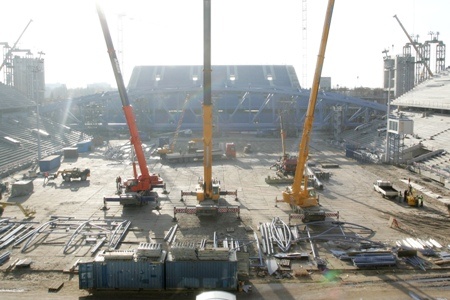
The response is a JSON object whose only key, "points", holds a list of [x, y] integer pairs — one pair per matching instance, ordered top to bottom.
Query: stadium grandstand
{"points": [[21, 132], [426, 149]]}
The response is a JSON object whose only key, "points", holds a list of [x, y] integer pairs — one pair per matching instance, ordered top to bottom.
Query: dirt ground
{"points": [[349, 191]]}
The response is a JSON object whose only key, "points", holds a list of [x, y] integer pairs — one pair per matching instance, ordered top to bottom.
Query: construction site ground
{"points": [[348, 191]]}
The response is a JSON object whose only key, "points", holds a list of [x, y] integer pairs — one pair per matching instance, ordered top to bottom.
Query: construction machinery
{"points": [[418, 51], [8, 55], [167, 149], [227, 151], [285, 166], [73, 173], [137, 190], [208, 191], [302, 198], [412, 198], [28, 212]]}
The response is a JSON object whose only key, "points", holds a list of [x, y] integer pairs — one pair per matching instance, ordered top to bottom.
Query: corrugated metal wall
{"points": [[121, 274], [201, 275]]}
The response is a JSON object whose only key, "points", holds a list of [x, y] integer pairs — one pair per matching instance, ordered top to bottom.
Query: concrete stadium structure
{"points": [[246, 98], [426, 150]]}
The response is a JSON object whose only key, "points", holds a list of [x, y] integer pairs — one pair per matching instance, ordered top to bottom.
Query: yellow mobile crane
{"points": [[166, 149], [208, 191], [303, 199]]}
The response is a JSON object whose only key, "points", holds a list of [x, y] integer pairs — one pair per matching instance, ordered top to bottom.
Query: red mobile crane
{"points": [[139, 189], [303, 199]]}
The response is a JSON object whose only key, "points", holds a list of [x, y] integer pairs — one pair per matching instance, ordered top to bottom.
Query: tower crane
{"points": [[419, 53], [8, 54], [139, 189], [208, 191], [303, 199]]}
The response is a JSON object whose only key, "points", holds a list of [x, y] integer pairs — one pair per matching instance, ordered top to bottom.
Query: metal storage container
{"points": [[84, 146], [70, 153], [49, 163], [21, 188], [131, 274], [201, 274], [86, 275]]}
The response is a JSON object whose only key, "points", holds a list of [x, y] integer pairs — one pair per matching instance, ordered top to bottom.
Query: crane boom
{"points": [[414, 45], [14, 46], [207, 102], [143, 182], [208, 191], [296, 195]]}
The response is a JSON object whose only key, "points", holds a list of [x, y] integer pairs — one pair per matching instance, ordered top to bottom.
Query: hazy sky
{"points": [[170, 32]]}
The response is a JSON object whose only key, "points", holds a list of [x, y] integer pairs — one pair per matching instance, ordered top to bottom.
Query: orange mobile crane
{"points": [[139, 189], [208, 191], [303, 199]]}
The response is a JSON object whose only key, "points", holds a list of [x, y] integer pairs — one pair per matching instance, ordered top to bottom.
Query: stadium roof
{"points": [[433, 93]]}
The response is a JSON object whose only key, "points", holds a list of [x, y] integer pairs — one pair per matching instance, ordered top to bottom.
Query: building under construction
{"points": [[270, 249]]}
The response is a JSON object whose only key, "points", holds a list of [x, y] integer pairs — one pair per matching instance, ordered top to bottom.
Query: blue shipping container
{"points": [[84, 146], [49, 163], [122, 274], [198, 274], [86, 275]]}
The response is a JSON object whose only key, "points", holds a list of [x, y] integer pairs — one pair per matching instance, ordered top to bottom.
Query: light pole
{"points": [[388, 65], [36, 68]]}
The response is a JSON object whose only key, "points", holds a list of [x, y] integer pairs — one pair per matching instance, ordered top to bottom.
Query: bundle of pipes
{"points": [[281, 233], [374, 260]]}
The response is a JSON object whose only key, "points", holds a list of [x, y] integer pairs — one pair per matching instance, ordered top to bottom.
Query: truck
{"points": [[194, 154], [73, 173], [385, 188]]}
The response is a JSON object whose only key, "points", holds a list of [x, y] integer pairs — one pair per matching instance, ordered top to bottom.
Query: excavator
{"points": [[137, 190], [208, 191], [303, 199]]}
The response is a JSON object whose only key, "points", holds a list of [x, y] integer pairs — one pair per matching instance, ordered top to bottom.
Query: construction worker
{"points": [[45, 178], [118, 184], [420, 201]]}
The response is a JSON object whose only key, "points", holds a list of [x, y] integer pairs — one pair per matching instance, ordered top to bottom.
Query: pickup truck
{"points": [[385, 188]]}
